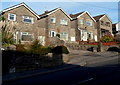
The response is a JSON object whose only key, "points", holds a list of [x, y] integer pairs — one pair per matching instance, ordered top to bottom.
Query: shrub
{"points": [[107, 38], [20, 47], [49, 49], [60, 50]]}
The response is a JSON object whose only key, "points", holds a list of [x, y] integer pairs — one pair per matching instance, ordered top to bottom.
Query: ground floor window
{"points": [[26, 36], [63, 36]]}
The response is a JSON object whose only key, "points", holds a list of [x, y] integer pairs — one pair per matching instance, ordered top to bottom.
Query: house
{"points": [[57, 22], [84, 25], [104, 25], [116, 28], [27, 29]]}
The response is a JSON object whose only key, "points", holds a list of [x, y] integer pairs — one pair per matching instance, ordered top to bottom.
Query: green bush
{"points": [[107, 38], [37, 48], [49, 49], [60, 50]]}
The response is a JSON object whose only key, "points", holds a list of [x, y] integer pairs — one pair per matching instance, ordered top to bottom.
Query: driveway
{"points": [[87, 58]]}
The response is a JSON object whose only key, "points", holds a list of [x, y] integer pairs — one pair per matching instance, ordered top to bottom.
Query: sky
{"points": [[94, 8]]}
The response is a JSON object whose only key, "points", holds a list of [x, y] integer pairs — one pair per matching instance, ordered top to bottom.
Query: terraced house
{"points": [[57, 22], [84, 25], [104, 25], [45, 27]]}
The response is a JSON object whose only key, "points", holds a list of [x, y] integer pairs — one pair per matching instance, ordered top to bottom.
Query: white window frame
{"points": [[9, 17], [28, 17], [54, 20], [63, 21], [81, 21], [26, 33], [51, 33], [62, 34]]}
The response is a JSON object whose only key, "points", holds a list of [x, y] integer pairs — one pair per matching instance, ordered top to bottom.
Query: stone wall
{"points": [[93, 48]]}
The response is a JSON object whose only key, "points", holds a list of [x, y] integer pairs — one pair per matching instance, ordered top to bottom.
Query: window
{"points": [[11, 17], [28, 19], [52, 20], [81, 21], [63, 22], [89, 23], [108, 24], [52, 33], [26, 36], [63, 36]]}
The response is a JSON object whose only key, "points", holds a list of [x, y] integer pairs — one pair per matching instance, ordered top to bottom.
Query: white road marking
{"points": [[84, 81]]}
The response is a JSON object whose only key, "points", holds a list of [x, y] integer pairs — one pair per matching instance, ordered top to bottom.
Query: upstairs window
{"points": [[11, 17], [27, 19], [52, 20], [81, 21], [63, 22], [89, 23], [108, 24]]}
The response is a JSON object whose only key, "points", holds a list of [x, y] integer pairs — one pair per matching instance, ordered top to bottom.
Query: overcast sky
{"points": [[94, 8]]}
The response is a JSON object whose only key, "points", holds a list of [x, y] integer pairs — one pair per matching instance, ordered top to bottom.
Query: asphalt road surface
{"points": [[104, 74]]}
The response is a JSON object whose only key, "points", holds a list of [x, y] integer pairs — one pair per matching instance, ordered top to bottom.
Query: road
{"points": [[108, 74]]}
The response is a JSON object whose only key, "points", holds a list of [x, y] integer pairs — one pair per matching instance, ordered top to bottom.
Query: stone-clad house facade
{"points": [[27, 19], [57, 22], [84, 24], [103, 25], [71, 28]]}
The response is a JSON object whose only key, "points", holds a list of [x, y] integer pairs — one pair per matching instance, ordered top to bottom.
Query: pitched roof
{"points": [[19, 5], [52, 11], [47, 12], [75, 16], [98, 17]]}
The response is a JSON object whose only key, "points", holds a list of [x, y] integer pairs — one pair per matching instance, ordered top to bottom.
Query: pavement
{"points": [[80, 58], [25, 74]]}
